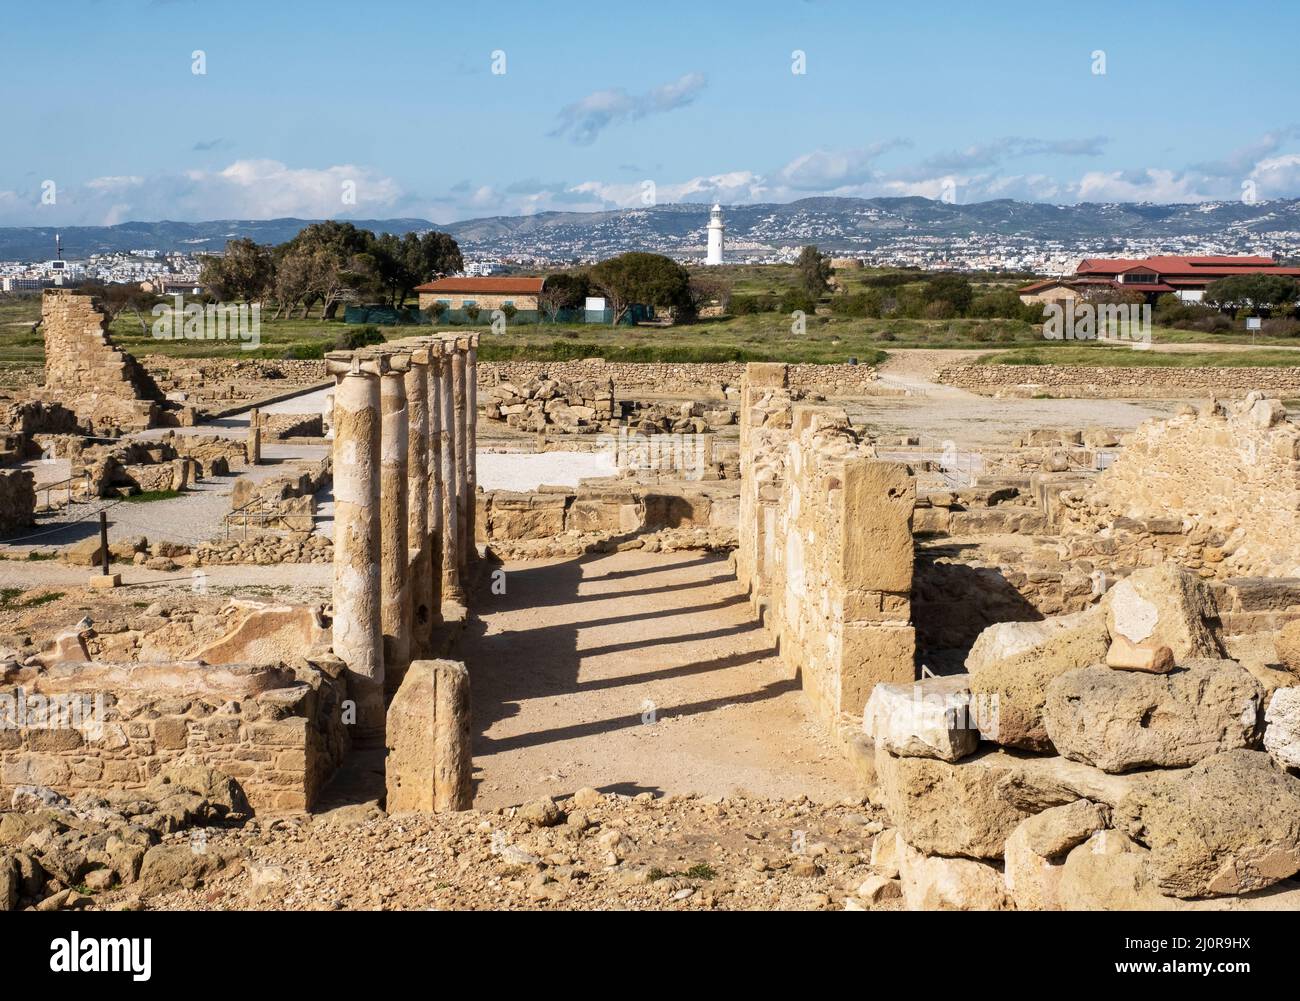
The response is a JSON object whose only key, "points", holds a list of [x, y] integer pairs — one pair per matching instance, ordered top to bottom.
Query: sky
{"points": [[122, 110]]}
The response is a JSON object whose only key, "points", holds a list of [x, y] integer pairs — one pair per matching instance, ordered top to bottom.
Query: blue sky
{"points": [[302, 103]]}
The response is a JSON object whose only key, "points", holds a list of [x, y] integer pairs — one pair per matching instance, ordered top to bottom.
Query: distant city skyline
{"points": [[188, 110]]}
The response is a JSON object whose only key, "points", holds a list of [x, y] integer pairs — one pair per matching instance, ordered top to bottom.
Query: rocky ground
{"points": [[590, 851]]}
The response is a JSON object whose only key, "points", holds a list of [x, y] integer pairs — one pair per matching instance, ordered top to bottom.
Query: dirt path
{"points": [[636, 672]]}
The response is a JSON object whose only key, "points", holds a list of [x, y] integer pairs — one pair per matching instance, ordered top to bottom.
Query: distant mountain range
{"points": [[834, 224]]}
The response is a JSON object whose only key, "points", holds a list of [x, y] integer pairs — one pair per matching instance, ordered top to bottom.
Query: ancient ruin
{"points": [[1057, 670]]}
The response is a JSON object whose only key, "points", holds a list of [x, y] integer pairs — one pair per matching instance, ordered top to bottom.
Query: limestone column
{"points": [[461, 403], [254, 446], [471, 446], [434, 496], [417, 498], [451, 586], [395, 594], [358, 633]]}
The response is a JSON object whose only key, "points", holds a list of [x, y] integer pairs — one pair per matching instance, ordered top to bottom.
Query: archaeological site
{"points": [[402, 629]]}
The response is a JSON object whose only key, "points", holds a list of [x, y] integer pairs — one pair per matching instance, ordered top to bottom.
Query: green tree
{"points": [[814, 271], [244, 272], [644, 279], [952, 289], [567, 290], [1258, 292]]}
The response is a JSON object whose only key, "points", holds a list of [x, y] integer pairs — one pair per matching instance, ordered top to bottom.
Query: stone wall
{"points": [[86, 372], [685, 378], [1117, 383], [1216, 490], [17, 500], [507, 516], [826, 546], [279, 737]]}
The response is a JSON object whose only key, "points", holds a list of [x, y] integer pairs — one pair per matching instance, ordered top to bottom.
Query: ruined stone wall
{"points": [[86, 372], [673, 377], [1119, 383], [766, 413], [1216, 490], [17, 500], [504, 515], [825, 546], [840, 562], [279, 739]]}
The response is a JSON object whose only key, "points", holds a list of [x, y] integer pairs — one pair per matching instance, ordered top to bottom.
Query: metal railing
{"points": [[49, 488], [259, 512]]}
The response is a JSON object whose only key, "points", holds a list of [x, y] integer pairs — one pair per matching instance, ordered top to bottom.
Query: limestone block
{"points": [[875, 506], [1165, 605], [266, 634], [1288, 645], [871, 654], [1148, 657], [1016, 660], [927, 719], [1122, 720], [1282, 735], [428, 763], [971, 807], [1229, 824], [886, 851], [1035, 852], [1109, 872], [934, 883]]}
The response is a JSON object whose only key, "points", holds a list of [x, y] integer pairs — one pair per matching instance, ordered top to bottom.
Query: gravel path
{"points": [[636, 672]]}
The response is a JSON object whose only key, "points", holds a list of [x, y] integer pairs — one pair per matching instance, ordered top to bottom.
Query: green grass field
{"points": [[757, 337], [1112, 356]]}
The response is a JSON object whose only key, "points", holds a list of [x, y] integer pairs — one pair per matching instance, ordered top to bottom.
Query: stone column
{"points": [[460, 401], [254, 446], [471, 446], [434, 496], [417, 498], [393, 503], [451, 586], [358, 633]]}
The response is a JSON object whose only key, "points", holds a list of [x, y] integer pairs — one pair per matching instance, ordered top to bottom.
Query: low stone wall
{"points": [[685, 378], [1117, 383], [17, 500], [507, 516], [265, 550], [279, 737]]}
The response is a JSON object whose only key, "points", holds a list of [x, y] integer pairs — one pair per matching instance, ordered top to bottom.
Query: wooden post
{"points": [[103, 542]]}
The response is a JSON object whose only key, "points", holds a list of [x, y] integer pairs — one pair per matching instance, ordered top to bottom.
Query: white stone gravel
{"points": [[524, 471]]}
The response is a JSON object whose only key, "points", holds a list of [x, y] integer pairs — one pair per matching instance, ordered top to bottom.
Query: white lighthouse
{"points": [[714, 255]]}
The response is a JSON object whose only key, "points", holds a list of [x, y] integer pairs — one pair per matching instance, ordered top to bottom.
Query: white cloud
{"points": [[583, 120], [1149, 185], [246, 189]]}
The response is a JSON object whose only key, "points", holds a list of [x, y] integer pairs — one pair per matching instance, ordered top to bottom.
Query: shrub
{"points": [[797, 299], [861, 304], [748, 305], [471, 312], [350, 340]]}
